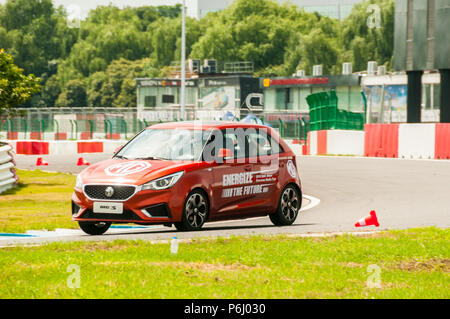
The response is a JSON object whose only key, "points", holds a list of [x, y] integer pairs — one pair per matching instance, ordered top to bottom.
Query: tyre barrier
{"points": [[8, 176]]}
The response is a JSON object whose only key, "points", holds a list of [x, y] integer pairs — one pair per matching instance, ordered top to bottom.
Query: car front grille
{"points": [[121, 192]]}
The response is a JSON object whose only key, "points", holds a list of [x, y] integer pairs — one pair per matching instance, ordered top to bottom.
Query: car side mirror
{"points": [[224, 153]]}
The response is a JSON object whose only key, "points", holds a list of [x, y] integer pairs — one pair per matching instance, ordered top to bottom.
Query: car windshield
{"points": [[166, 144]]}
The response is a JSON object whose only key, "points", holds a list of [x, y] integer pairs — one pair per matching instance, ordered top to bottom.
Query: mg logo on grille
{"points": [[127, 168], [109, 191]]}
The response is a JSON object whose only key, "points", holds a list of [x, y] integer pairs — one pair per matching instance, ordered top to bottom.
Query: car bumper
{"points": [[144, 207]]}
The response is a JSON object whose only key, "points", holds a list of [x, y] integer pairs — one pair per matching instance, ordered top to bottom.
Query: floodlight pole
{"points": [[183, 60]]}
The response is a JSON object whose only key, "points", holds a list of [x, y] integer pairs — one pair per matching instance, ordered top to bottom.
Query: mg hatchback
{"points": [[188, 173]]}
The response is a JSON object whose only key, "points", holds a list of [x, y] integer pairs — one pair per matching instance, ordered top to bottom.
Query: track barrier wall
{"points": [[381, 140], [409, 141], [442, 141], [335, 142], [66, 147]]}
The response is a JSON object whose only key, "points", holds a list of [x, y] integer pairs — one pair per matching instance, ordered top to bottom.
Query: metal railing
{"points": [[109, 123]]}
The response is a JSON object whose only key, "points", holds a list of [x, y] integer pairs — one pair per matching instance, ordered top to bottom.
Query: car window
{"points": [[261, 143], [165, 144]]}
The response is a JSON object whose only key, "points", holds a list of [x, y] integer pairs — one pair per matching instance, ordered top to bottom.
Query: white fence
{"points": [[8, 177]]}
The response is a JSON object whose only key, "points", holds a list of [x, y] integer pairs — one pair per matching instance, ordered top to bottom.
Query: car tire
{"points": [[289, 205], [195, 212], [94, 228]]}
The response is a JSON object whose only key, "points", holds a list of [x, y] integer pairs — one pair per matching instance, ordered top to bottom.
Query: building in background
{"points": [[337, 9], [207, 97]]}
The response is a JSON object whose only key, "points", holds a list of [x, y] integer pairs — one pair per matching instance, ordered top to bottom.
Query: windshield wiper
{"points": [[121, 157], [152, 158]]}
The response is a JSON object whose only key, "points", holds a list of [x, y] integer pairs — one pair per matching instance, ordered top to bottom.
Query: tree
{"points": [[34, 33], [367, 42], [317, 48], [15, 87], [51, 90], [74, 95]]}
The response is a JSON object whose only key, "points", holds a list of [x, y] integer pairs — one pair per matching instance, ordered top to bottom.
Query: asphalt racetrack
{"points": [[404, 194]]}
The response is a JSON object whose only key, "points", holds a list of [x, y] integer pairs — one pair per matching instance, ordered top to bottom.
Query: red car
{"points": [[187, 173]]}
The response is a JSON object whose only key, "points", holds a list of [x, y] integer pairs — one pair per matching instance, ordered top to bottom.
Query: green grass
{"points": [[42, 201], [413, 264]]}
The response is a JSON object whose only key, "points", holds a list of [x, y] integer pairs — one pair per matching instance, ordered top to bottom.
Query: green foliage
{"points": [[31, 30], [369, 44], [113, 46], [116, 85], [15, 87], [73, 95]]}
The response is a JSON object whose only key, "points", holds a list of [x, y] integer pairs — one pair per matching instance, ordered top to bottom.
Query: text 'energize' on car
{"points": [[188, 173]]}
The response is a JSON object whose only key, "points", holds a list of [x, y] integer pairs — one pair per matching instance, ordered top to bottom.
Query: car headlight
{"points": [[79, 182], [163, 182]]}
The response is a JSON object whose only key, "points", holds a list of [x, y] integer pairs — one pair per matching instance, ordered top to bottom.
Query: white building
{"points": [[338, 9]]}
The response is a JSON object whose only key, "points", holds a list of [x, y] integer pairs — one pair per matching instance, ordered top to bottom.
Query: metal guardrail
{"points": [[8, 177]]}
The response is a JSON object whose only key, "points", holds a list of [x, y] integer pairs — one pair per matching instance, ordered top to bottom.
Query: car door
{"points": [[263, 155], [231, 175]]}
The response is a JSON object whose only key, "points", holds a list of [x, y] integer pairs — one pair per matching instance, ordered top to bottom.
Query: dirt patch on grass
{"points": [[94, 247], [427, 265], [188, 266]]}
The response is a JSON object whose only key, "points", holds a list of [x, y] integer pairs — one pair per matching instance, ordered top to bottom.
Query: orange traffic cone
{"points": [[41, 162], [82, 162], [368, 221]]}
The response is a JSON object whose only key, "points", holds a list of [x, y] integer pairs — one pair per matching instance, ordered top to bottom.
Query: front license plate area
{"points": [[108, 208]]}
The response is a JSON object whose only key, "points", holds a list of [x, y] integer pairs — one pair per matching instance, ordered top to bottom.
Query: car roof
{"points": [[204, 125]]}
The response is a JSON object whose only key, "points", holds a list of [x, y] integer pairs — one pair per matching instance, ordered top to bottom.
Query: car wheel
{"points": [[288, 207], [195, 212], [94, 228]]}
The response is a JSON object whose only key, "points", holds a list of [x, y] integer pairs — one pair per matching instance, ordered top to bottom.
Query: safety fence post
{"points": [[364, 98], [141, 125], [25, 127], [124, 127], [71, 128], [76, 128], [91, 128], [106, 128], [57, 129], [281, 129], [306, 129], [300, 130], [9, 134]]}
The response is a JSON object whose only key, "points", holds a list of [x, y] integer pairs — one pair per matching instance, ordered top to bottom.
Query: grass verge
{"points": [[41, 201], [399, 264]]}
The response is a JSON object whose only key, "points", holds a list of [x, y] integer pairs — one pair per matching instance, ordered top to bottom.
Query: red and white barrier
{"points": [[381, 140], [410, 141], [416, 141], [442, 141], [335, 142], [66, 147]]}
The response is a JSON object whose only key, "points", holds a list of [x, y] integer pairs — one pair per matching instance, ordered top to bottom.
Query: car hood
{"points": [[131, 172]]}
